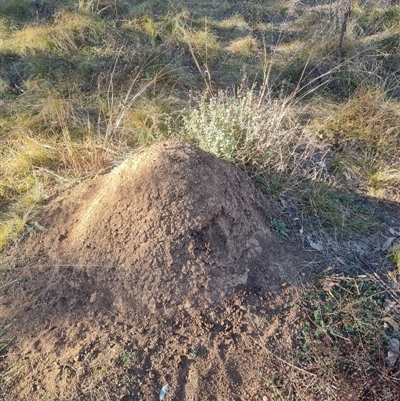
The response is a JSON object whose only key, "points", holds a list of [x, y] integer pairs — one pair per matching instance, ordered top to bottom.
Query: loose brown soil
{"points": [[171, 229], [163, 271]]}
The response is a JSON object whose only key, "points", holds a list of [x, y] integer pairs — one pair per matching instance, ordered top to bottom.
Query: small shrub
{"points": [[245, 129], [280, 228], [194, 352], [128, 358]]}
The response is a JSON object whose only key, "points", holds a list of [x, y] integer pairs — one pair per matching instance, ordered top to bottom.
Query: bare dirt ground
{"points": [[164, 271]]}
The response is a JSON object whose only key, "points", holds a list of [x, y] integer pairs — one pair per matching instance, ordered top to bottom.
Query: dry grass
{"points": [[123, 87], [81, 93], [366, 132]]}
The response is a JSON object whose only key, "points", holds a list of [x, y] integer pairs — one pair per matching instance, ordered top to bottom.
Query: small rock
{"points": [[387, 244], [315, 245], [93, 297], [392, 323], [393, 353]]}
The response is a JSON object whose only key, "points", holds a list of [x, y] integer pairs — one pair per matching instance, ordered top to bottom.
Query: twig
{"points": [[344, 28], [206, 80], [45, 170], [10, 283]]}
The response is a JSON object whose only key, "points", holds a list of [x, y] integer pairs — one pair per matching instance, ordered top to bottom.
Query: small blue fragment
{"points": [[163, 392]]}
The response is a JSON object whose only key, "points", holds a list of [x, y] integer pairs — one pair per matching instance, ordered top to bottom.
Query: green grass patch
{"points": [[18, 9], [373, 20], [342, 211], [395, 256], [348, 307], [342, 322]]}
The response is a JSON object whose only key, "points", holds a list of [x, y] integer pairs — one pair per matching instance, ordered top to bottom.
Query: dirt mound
{"points": [[172, 227], [159, 272]]}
